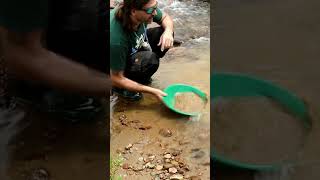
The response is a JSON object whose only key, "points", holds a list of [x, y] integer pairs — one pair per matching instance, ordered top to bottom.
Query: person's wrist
{"points": [[169, 31]]}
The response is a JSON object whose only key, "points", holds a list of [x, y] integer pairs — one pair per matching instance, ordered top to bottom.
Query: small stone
{"points": [[122, 117], [142, 127], [165, 132], [184, 142], [129, 146], [176, 152], [167, 156], [151, 158], [140, 159], [167, 160], [175, 163], [125, 166], [150, 166], [167, 166], [159, 167], [138, 168], [186, 168], [173, 170], [181, 171], [176, 177], [194, 178]]}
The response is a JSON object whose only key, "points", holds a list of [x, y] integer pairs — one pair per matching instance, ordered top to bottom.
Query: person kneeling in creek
{"points": [[135, 50]]}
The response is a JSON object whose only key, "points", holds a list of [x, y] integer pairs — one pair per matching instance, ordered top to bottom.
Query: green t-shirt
{"points": [[23, 16], [123, 43]]}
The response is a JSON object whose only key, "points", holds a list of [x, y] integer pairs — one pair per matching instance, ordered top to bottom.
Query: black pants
{"points": [[143, 64]]}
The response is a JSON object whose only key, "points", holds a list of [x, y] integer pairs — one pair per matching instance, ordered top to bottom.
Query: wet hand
{"points": [[166, 40], [159, 94]]}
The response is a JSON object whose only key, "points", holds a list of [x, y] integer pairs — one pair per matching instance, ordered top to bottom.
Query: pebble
{"points": [[122, 117], [142, 127], [165, 132], [184, 142], [129, 146], [176, 152], [167, 156], [151, 158], [140, 159], [167, 160], [175, 163], [125, 166], [150, 166], [167, 166], [159, 167], [139, 168], [186, 168], [173, 170], [181, 171], [176, 177], [194, 178]]}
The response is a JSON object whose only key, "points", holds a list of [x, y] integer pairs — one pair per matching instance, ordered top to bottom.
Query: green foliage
{"points": [[115, 163]]}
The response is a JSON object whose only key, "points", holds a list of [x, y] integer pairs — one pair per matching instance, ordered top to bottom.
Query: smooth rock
{"points": [[128, 147], [167, 156], [159, 167], [173, 170], [176, 177]]}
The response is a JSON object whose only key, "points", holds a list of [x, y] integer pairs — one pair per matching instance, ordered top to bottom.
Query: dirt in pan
{"points": [[189, 102], [256, 130]]}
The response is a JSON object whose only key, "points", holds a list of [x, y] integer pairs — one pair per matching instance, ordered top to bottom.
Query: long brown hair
{"points": [[124, 11]]}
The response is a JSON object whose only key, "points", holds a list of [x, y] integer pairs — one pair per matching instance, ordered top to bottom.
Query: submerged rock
{"points": [[165, 132], [128, 147], [167, 156], [150, 165], [159, 167], [173, 170], [176, 177]]}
